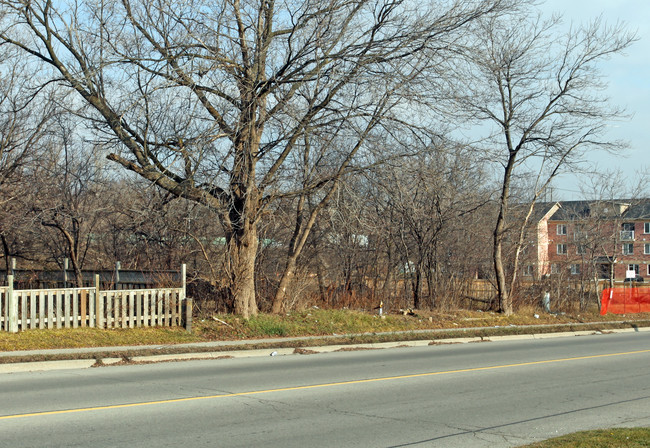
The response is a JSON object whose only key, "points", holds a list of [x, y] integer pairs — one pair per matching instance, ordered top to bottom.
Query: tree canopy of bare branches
{"points": [[211, 100]]}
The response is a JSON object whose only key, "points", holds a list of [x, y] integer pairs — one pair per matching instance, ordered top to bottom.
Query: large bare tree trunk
{"points": [[240, 220], [242, 252]]}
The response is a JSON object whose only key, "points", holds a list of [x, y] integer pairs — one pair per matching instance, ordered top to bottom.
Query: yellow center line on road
{"points": [[314, 386]]}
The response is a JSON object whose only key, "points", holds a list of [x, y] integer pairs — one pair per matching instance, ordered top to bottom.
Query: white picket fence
{"points": [[92, 307]]}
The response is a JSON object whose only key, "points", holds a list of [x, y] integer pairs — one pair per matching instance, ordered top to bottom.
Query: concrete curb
{"points": [[369, 346], [244, 353], [47, 365]]}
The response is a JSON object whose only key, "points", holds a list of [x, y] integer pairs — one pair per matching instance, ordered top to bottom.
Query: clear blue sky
{"points": [[629, 86]]}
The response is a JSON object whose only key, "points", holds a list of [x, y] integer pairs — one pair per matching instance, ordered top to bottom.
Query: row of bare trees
{"points": [[277, 141]]}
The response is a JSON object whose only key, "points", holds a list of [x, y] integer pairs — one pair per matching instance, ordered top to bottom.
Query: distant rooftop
{"points": [[632, 209]]}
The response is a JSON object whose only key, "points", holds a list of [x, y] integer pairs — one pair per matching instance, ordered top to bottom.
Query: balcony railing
{"points": [[627, 235]]}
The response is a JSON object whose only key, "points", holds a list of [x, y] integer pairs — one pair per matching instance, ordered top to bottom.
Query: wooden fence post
{"points": [[118, 266], [65, 273], [184, 279], [183, 295], [183, 298], [13, 305], [83, 307], [99, 309], [188, 315]]}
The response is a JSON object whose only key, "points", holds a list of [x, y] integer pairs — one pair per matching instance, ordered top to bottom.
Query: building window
{"points": [[646, 227], [561, 229], [580, 232], [627, 232], [628, 248], [561, 249], [581, 249], [646, 249], [633, 267], [575, 269], [528, 270], [556, 270], [604, 270], [648, 270]]}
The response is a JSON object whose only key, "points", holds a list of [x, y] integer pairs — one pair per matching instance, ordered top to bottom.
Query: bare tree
{"points": [[540, 93], [208, 98], [25, 114], [70, 194], [428, 198], [144, 227]]}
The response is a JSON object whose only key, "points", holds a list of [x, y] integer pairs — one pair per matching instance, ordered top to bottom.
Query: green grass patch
{"points": [[317, 322], [268, 325], [605, 438]]}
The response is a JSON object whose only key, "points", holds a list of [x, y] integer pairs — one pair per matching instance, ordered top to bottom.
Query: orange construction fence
{"points": [[625, 300]]}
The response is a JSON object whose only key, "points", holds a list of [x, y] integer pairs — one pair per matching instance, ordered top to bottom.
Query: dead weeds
{"points": [[304, 351]]}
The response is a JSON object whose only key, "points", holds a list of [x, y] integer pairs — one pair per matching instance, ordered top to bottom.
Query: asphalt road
{"points": [[494, 394]]}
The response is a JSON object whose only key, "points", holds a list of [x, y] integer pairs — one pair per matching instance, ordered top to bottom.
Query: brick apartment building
{"points": [[589, 239]]}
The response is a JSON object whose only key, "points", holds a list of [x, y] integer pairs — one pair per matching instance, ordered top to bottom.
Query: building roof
{"points": [[632, 209], [541, 210], [570, 210], [639, 210]]}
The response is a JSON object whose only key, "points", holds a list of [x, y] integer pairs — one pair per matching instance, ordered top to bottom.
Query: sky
{"points": [[629, 86]]}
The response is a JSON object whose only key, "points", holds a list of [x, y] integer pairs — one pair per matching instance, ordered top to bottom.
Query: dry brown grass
{"points": [[317, 322]]}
